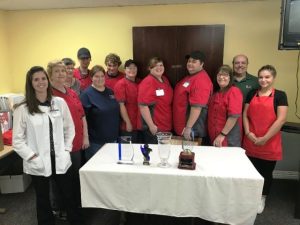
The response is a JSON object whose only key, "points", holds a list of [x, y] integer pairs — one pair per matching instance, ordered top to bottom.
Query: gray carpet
{"points": [[279, 210]]}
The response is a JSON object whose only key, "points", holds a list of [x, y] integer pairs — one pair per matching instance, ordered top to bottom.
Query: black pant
{"points": [[148, 137], [265, 168], [56, 200], [43, 206]]}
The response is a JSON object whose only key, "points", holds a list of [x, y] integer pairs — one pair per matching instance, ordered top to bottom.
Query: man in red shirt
{"points": [[82, 73], [113, 75], [191, 97]]}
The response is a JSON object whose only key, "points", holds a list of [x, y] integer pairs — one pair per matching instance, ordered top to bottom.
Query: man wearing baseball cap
{"points": [[82, 73], [191, 97]]}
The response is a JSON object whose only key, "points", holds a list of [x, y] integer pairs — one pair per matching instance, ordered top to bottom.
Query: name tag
{"points": [[186, 84], [160, 92]]}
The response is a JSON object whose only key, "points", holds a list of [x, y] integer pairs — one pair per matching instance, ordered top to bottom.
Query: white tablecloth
{"points": [[225, 187]]}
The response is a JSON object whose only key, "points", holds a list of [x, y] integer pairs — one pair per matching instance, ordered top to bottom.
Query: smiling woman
{"points": [[57, 73], [155, 102], [225, 110], [102, 112], [264, 114], [43, 132]]}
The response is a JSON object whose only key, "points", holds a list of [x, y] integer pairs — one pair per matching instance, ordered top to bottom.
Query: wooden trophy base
{"points": [[187, 160]]}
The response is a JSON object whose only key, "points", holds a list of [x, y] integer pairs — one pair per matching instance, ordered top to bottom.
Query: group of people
{"points": [[67, 110]]}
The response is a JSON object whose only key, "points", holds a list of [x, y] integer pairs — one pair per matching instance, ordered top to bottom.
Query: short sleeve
{"points": [[120, 91], [146, 92], [200, 92], [84, 98], [280, 98], [235, 102]]}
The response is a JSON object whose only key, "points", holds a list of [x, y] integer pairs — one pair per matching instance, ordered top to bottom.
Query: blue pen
{"points": [[120, 153]]}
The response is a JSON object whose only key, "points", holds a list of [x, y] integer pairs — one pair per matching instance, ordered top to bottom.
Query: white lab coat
{"points": [[31, 136]]}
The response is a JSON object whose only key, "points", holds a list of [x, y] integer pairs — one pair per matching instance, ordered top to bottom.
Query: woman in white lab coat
{"points": [[43, 132]]}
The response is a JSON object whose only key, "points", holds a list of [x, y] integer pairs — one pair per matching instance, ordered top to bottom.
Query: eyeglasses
{"points": [[222, 75]]}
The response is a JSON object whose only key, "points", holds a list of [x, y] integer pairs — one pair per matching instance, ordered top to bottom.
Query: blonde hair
{"points": [[53, 64]]}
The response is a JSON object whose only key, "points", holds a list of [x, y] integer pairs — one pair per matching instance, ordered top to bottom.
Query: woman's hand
{"points": [[128, 126], [153, 129], [187, 133], [252, 137], [219, 140], [260, 141], [86, 142], [32, 157]]}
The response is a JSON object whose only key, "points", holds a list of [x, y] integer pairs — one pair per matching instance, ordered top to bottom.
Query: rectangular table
{"points": [[225, 187]]}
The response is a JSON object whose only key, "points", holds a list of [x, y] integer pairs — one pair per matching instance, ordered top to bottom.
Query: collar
{"points": [[46, 103]]}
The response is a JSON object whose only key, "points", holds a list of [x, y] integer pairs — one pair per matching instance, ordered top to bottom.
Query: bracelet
{"points": [[223, 134]]}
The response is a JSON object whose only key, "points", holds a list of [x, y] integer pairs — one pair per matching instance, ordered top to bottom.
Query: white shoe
{"points": [[262, 204]]}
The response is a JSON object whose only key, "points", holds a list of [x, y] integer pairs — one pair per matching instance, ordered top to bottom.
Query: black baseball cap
{"points": [[83, 53], [196, 55], [129, 62]]}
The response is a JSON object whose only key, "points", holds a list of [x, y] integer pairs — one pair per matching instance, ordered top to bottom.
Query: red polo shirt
{"points": [[85, 81], [110, 81], [192, 90], [126, 91], [158, 97], [221, 106], [77, 113]]}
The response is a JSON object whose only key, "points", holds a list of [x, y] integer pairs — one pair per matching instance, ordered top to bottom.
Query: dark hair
{"points": [[68, 61], [129, 62], [270, 68], [95, 69], [225, 69], [30, 97]]}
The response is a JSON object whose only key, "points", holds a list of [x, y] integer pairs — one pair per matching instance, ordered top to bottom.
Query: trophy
{"points": [[126, 151], [146, 151], [187, 157]]}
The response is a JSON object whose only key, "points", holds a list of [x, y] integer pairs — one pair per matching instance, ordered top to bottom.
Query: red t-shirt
{"points": [[85, 81], [110, 82], [192, 90], [126, 91], [158, 97], [221, 106], [77, 113]]}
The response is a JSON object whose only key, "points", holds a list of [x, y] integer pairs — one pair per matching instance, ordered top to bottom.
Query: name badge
{"points": [[186, 84], [160, 92]]}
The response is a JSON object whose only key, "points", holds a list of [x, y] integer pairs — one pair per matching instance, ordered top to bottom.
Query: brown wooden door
{"points": [[172, 43]]}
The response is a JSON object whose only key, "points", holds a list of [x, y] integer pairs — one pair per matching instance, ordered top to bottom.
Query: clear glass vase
{"points": [[164, 147]]}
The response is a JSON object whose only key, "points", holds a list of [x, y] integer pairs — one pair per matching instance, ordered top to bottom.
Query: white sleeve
{"points": [[69, 129], [19, 133]]}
